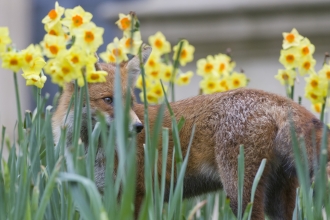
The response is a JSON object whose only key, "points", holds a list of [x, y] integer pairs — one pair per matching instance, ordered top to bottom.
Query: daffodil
{"points": [[53, 16], [76, 18], [124, 23], [56, 30], [90, 37], [4, 39], [291, 39], [158, 43], [53, 45], [131, 45], [306, 48], [114, 53], [187, 53], [77, 56], [290, 57], [12, 60], [153, 61], [223, 64], [306, 65], [35, 67], [206, 67], [63, 70], [166, 72], [325, 72], [95, 76], [286, 77], [184, 78], [35, 80], [237, 80], [139, 82], [316, 83], [224, 84], [209, 85], [157, 90], [315, 96], [151, 97], [317, 107]]}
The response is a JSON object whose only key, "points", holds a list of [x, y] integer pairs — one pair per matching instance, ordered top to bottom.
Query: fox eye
{"points": [[108, 100]]}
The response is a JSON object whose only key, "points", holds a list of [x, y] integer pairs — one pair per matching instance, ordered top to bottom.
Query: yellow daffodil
{"points": [[53, 16], [76, 18], [124, 22], [56, 30], [90, 37], [4, 39], [291, 39], [159, 44], [53, 45], [131, 45], [306, 48], [30, 53], [114, 53], [187, 53], [77, 56], [290, 57], [12, 60], [153, 61], [223, 64], [306, 65], [34, 67], [206, 67], [49, 68], [64, 68], [166, 72], [325, 72], [154, 73], [95, 76], [286, 77], [184, 78], [35, 80], [237, 80], [139, 82], [316, 83], [224, 84], [209, 85], [157, 90], [315, 96], [151, 98], [317, 107]]}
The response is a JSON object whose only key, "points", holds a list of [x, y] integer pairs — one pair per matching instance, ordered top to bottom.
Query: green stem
{"points": [[175, 67], [292, 92], [18, 103], [322, 111], [38, 115]]}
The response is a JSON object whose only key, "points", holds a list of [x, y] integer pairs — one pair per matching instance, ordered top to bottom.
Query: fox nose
{"points": [[138, 127]]}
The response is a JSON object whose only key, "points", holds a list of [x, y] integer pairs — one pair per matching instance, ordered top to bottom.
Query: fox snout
{"points": [[138, 126]]}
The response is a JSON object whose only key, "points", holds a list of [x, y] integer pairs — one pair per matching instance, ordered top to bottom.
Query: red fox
{"points": [[256, 119]]}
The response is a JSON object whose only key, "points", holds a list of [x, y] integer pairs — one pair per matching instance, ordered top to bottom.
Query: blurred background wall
{"points": [[252, 29]]}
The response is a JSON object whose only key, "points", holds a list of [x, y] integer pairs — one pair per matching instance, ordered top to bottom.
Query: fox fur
{"points": [[257, 119]]}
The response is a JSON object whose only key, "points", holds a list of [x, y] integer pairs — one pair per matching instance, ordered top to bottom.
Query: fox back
{"points": [[256, 119]]}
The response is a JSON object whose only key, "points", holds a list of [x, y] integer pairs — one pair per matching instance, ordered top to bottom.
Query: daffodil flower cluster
{"points": [[70, 44], [30, 60], [218, 75]]}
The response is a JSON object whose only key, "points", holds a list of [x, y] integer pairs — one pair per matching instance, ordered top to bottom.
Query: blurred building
{"points": [[252, 29]]}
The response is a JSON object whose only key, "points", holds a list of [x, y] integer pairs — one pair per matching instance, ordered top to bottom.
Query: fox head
{"points": [[101, 97]]}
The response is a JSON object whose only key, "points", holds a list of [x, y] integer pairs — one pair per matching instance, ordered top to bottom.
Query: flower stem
{"points": [[292, 92], [18, 103], [322, 112], [39, 115]]}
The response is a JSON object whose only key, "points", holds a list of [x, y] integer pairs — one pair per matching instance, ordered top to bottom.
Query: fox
{"points": [[256, 119]]}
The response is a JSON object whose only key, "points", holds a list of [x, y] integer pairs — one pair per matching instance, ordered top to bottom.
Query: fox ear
{"points": [[133, 66]]}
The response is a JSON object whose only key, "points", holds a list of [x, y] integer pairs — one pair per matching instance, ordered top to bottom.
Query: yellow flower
{"points": [[53, 16], [76, 18], [124, 22], [56, 30], [90, 37], [4, 39], [291, 39], [159, 43], [53, 45], [131, 45], [306, 48], [187, 52], [30, 53], [114, 53], [77, 56], [290, 57], [12, 60], [153, 61], [223, 64], [306, 65], [34, 67], [50, 67], [206, 67], [63, 71], [166, 72], [325, 72], [93, 75], [286, 76], [184, 78], [35, 80], [237, 80], [139, 82], [316, 83], [224, 84], [209, 85], [157, 90], [315, 96], [317, 107]]}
